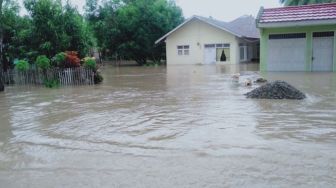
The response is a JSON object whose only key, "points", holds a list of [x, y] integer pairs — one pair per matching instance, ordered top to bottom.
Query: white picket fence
{"points": [[66, 77]]}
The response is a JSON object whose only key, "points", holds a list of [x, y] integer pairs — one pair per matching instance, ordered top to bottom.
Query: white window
{"points": [[183, 50], [222, 51], [243, 52]]}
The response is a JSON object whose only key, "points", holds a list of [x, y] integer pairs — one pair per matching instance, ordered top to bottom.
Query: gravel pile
{"points": [[276, 90]]}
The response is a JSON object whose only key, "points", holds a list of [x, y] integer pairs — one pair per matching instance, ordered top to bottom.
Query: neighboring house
{"points": [[299, 38], [201, 40]]}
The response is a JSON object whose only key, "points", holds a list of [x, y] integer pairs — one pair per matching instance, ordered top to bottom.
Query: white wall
{"points": [[195, 34]]}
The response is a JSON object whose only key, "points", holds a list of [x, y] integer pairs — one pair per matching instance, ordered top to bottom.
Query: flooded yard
{"points": [[178, 126]]}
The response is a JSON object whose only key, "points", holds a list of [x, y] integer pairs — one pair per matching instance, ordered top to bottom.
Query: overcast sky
{"points": [[225, 10]]}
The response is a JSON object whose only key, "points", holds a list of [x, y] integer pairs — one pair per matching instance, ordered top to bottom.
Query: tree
{"points": [[304, 2], [8, 15], [102, 21], [142, 22], [57, 28], [129, 28], [1, 46]]}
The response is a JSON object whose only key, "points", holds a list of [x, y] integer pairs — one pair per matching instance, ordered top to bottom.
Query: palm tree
{"points": [[304, 2]]}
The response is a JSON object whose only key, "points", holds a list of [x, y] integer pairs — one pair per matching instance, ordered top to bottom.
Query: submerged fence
{"points": [[65, 77]]}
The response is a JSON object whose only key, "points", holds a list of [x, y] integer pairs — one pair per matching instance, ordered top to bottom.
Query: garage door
{"points": [[323, 47], [286, 52]]}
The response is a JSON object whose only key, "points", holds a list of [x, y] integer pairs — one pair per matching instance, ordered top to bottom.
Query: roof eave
{"points": [[260, 13], [188, 20], [296, 23], [172, 31]]}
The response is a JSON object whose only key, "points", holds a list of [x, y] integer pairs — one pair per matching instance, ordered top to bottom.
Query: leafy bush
{"points": [[59, 58], [72, 59], [43, 62], [90, 63], [22, 65], [98, 78], [52, 83]]}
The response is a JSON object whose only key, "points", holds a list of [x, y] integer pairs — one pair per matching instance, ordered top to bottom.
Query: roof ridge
{"points": [[301, 6], [210, 18]]}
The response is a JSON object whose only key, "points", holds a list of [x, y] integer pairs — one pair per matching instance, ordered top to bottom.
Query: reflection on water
{"points": [[176, 126]]}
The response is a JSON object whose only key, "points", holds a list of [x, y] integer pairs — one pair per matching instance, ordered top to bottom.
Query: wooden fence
{"points": [[65, 77]]}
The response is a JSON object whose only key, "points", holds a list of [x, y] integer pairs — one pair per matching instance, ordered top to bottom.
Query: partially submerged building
{"points": [[298, 38], [201, 40]]}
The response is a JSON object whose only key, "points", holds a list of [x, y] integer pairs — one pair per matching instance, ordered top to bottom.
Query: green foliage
{"points": [[304, 2], [9, 22], [56, 27], [125, 28], [129, 28], [59, 58], [43, 62], [90, 63], [22, 65], [98, 78], [52, 83]]}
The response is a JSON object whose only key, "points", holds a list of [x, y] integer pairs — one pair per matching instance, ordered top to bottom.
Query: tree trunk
{"points": [[2, 87]]}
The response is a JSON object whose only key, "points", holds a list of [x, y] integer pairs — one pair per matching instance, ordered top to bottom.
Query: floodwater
{"points": [[180, 126]]}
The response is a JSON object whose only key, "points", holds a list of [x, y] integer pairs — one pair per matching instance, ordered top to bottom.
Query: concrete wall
{"points": [[309, 30], [195, 34]]}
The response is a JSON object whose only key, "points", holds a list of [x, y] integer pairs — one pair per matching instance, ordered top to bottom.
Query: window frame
{"points": [[220, 46], [245, 49], [183, 50]]}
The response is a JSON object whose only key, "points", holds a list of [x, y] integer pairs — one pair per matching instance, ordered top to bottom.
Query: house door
{"points": [[323, 47], [209, 54]]}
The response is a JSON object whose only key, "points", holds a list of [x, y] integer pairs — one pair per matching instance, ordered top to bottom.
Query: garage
{"points": [[298, 38], [323, 47], [286, 52]]}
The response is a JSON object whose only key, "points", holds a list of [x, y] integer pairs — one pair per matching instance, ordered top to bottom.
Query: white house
{"points": [[201, 40]]}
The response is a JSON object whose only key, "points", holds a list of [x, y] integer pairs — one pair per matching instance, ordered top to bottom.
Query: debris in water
{"points": [[261, 80], [248, 82], [276, 90]]}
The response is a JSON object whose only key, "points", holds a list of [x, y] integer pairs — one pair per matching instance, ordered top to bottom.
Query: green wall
{"points": [[265, 32]]}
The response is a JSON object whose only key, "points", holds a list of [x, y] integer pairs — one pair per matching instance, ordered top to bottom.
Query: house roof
{"points": [[306, 13], [242, 27]]}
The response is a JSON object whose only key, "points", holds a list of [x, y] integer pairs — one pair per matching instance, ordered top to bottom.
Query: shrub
{"points": [[59, 58], [72, 59], [43, 62], [90, 63], [22, 65], [98, 78], [52, 83]]}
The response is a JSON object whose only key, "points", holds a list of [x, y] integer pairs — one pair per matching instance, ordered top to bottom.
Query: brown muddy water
{"points": [[182, 126]]}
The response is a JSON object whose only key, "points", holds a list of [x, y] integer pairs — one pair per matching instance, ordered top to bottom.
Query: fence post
{"points": [[75, 76]]}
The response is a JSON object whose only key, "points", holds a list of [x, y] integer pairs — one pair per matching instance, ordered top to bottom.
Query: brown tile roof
{"points": [[299, 13]]}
